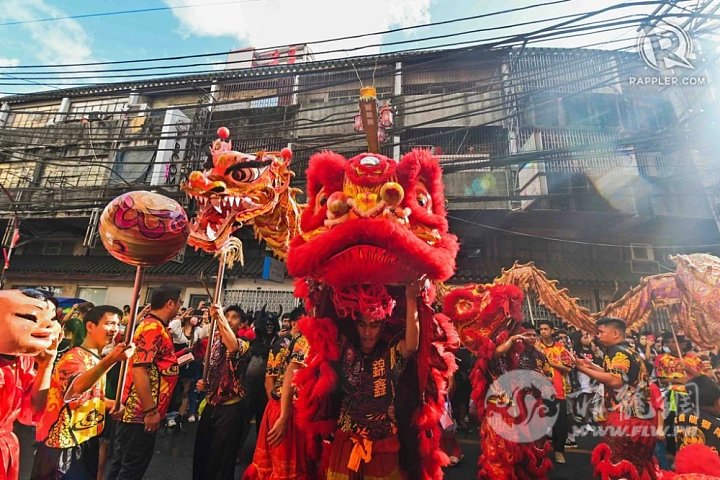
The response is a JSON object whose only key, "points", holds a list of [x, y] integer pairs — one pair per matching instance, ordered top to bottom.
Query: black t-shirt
{"points": [[633, 397]]}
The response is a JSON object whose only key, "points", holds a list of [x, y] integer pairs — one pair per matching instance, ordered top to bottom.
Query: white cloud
{"points": [[268, 23], [56, 42], [9, 62]]}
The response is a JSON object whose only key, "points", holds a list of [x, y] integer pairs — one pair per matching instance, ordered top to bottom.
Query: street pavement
{"points": [[173, 457]]}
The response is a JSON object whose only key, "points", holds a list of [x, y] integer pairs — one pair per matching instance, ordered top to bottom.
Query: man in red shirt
{"points": [[560, 359], [151, 381], [75, 413]]}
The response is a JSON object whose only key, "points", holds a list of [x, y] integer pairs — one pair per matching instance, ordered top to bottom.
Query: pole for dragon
{"points": [[213, 322], [129, 331]]}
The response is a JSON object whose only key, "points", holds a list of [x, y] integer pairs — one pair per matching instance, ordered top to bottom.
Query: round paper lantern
{"points": [[143, 228]]}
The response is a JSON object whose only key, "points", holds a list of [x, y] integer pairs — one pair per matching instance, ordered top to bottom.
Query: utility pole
{"points": [[12, 235]]}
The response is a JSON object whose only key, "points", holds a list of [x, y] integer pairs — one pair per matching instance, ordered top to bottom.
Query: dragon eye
{"points": [[244, 174], [323, 201]]}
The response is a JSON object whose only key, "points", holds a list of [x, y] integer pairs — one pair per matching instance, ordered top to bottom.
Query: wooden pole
{"points": [[369, 115], [532, 317], [213, 323], [129, 331], [677, 344]]}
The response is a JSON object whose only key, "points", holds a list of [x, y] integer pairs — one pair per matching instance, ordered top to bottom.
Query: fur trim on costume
{"points": [[420, 167], [325, 172], [391, 239], [371, 300], [317, 380], [697, 460], [607, 470]]}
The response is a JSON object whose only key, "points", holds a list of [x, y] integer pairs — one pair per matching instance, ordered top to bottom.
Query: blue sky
{"points": [[220, 28]]}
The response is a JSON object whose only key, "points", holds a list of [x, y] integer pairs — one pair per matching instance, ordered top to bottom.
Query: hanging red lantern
{"points": [[386, 115], [358, 123], [382, 136]]}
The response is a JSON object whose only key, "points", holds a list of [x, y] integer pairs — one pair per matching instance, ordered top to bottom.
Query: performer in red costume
{"points": [[374, 225], [30, 336], [512, 433], [366, 442], [627, 451], [280, 452]]}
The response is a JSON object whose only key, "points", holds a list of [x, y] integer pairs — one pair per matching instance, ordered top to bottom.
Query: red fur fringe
{"points": [[422, 166], [325, 169], [371, 300], [442, 366], [317, 380], [697, 459], [607, 470]]}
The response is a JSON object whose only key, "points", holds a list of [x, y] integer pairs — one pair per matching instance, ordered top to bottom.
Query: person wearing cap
{"points": [[631, 418]]}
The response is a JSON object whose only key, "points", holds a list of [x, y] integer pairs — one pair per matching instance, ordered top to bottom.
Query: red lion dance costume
{"points": [[373, 225], [486, 316]]}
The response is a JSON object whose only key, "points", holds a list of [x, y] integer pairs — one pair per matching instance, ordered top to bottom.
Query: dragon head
{"points": [[234, 191], [371, 219]]}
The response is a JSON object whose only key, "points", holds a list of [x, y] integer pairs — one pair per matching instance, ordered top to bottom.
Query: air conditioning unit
{"points": [[642, 252]]}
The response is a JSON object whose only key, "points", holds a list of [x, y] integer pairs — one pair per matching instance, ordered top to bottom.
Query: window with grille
{"points": [[92, 108], [32, 117], [16, 175], [255, 299]]}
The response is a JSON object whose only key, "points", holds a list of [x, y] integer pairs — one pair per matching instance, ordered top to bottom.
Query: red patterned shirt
{"points": [[154, 350], [557, 353], [225, 380], [70, 421]]}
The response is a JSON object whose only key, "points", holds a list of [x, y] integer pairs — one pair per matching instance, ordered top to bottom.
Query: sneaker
{"points": [[192, 419], [171, 422], [570, 444], [559, 457]]}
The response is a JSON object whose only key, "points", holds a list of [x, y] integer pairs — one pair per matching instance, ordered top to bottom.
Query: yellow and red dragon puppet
{"points": [[239, 190], [372, 226]]}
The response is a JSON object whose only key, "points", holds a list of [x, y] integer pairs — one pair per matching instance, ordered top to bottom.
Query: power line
{"points": [[121, 12], [551, 31], [348, 37], [565, 240]]}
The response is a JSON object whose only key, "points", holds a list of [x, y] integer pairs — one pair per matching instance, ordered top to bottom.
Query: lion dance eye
{"points": [[422, 200]]}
